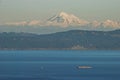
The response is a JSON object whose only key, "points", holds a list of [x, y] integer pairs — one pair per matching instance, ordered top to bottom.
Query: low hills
{"points": [[72, 40]]}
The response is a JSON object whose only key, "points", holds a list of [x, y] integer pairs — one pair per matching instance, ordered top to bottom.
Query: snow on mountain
{"points": [[65, 19], [22, 23], [95, 23], [110, 23]]}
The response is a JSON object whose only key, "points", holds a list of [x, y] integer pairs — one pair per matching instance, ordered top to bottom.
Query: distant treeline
{"points": [[74, 39]]}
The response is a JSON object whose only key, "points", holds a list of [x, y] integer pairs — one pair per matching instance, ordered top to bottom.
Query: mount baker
{"points": [[65, 20]]}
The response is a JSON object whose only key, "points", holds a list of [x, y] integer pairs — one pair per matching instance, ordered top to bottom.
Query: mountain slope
{"points": [[66, 19], [74, 39]]}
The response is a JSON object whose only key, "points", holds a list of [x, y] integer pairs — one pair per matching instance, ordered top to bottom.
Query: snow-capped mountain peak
{"points": [[63, 14], [66, 19]]}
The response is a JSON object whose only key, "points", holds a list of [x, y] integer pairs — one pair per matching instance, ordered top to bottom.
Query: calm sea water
{"points": [[59, 65]]}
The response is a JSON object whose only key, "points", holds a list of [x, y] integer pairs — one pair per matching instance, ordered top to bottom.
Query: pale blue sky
{"points": [[17, 10]]}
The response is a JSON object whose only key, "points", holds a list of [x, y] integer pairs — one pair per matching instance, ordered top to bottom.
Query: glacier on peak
{"points": [[66, 19]]}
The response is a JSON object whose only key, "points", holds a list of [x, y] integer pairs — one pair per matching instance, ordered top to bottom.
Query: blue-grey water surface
{"points": [[59, 65]]}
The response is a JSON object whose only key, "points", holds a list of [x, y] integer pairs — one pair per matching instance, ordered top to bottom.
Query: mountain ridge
{"points": [[65, 20], [72, 40]]}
